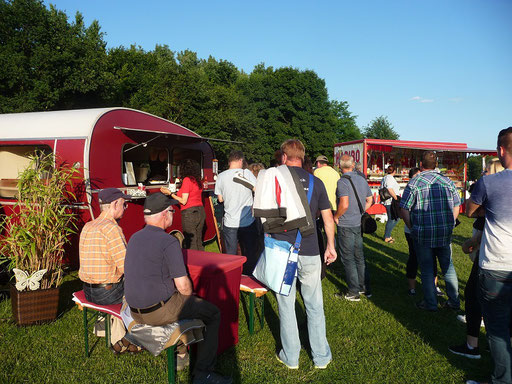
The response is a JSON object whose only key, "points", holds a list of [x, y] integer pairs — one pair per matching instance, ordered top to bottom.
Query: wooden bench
{"points": [[106, 311]]}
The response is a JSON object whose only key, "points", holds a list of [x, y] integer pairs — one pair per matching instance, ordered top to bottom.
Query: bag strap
{"points": [[355, 192], [298, 239]]}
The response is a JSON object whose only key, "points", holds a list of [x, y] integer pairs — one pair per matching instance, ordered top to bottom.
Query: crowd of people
{"points": [[150, 273]]}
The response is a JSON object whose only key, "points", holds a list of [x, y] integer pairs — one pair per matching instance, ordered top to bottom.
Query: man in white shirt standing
{"points": [[492, 198], [238, 223]]}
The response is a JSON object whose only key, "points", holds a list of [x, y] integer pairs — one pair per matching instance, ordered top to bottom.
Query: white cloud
{"points": [[421, 99], [455, 99]]}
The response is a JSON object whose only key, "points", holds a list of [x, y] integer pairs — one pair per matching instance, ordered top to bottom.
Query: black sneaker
{"points": [[411, 292], [422, 305], [448, 305], [463, 350], [212, 378]]}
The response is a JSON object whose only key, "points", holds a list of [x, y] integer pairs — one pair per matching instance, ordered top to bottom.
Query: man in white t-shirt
{"points": [[492, 197], [238, 223]]}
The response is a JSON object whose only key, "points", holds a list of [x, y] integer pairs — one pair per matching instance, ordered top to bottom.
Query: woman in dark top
{"points": [[192, 211]]}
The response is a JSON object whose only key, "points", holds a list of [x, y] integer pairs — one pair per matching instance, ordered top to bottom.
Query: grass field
{"points": [[384, 339]]}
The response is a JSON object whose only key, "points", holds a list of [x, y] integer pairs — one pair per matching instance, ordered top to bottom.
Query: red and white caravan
{"points": [[114, 147]]}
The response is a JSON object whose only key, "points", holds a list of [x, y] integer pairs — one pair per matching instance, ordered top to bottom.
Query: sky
{"points": [[440, 70]]}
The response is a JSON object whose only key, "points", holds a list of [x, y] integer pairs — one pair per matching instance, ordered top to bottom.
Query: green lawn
{"points": [[384, 339]]}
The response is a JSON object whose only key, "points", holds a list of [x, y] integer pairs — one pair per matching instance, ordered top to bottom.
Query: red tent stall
{"points": [[373, 156]]}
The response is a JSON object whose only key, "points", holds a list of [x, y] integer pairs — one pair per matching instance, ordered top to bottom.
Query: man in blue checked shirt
{"points": [[430, 206]]}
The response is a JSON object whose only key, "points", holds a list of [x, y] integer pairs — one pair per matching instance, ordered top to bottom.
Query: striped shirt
{"points": [[431, 198], [102, 251]]}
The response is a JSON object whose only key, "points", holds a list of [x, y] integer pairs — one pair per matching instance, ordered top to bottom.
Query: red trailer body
{"points": [[113, 147], [374, 155]]}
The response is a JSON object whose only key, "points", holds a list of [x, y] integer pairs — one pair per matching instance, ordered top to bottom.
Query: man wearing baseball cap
{"points": [[102, 250], [158, 289]]}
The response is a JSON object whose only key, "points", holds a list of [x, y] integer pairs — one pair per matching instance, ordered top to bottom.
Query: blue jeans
{"points": [[390, 224], [350, 240], [250, 244], [426, 263], [308, 272], [103, 296], [496, 301]]}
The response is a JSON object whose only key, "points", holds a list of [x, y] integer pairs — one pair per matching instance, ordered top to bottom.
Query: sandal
{"points": [[120, 346], [124, 346]]}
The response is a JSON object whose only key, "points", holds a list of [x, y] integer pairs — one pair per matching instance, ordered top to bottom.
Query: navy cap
{"points": [[109, 195], [157, 202]]}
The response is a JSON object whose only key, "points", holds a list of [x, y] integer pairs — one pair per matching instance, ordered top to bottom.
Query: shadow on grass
{"points": [[439, 329]]}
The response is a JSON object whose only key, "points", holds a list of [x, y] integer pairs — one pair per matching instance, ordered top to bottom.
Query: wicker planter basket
{"points": [[34, 307]]}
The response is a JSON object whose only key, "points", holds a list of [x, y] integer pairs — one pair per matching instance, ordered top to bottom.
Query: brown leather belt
{"points": [[106, 286], [153, 308]]}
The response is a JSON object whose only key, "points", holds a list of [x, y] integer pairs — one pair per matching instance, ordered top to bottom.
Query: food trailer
{"points": [[112, 147], [373, 156]]}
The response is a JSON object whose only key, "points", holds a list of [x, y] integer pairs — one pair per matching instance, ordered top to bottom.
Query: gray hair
{"points": [[346, 162], [155, 216]]}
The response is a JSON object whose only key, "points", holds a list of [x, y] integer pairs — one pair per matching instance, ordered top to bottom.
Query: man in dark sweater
{"points": [[158, 289]]}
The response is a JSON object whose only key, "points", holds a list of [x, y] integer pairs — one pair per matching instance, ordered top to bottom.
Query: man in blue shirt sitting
{"points": [[158, 289]]}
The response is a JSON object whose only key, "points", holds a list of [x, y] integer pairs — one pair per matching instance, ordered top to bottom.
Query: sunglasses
{"points": [[172, 210]]}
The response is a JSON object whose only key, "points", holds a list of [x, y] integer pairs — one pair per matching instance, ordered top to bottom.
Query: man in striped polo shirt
{"points": [[430, 206], [102, 251]]}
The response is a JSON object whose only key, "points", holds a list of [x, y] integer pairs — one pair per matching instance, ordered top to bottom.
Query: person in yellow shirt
{"points": [[329, 177]]}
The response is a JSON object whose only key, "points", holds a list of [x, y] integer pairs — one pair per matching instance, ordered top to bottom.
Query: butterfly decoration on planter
{"points": [[23, 280]]}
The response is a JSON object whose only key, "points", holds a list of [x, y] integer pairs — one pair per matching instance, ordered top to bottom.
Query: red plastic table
{"points": [[216, 278]]}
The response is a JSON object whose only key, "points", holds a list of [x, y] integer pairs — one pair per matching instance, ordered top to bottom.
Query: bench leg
{"points": [[251, 312], [107, 329], [86, 336], [171, 364]]}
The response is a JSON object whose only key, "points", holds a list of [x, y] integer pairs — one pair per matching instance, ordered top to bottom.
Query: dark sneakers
{"points": [[448, 305], [423, 306], [463, 350], [212, 378]]}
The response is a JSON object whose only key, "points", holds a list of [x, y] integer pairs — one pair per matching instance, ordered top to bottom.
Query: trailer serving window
{"points": [[180, 154], [13, 160], [147, 164]]}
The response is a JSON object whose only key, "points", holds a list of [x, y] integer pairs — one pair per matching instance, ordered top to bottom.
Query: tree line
{"points": [[52, 63]]}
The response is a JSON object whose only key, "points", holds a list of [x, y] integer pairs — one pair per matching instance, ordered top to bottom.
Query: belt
{"points": [[107, 286], [153, 308]]}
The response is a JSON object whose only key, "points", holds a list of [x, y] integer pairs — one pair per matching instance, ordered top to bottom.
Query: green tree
{"points": [[48, 63], [345, 127], [380, 128], [474, 167]]}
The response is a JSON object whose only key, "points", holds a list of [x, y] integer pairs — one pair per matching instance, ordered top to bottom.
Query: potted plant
{"points": [[35, 234]]}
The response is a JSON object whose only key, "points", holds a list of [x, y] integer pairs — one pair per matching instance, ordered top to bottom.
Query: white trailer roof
{"points": [[76, 123]]}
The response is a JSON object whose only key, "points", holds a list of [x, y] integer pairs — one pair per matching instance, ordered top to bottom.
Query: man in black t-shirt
{"points": [[308, 272], [158, 289]]}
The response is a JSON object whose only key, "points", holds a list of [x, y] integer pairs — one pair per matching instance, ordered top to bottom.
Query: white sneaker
{"points": [[288, 366], [323, 366]]}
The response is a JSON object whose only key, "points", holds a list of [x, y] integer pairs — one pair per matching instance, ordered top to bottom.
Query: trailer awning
{"points": [[192, 135], [450, 149]]}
